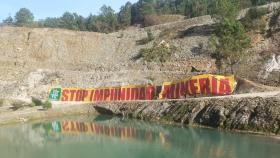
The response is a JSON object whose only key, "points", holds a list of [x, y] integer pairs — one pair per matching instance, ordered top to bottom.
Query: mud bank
{"points": [[248, 113], [8, 116]]}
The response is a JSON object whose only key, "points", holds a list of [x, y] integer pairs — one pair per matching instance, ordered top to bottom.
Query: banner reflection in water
{"points": [[73, 127]]}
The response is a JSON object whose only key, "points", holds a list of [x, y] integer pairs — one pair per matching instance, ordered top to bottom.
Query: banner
{"points": [[198, 85], [202, 85], [125, 93]]}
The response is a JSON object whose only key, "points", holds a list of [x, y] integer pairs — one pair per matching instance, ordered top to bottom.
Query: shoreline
{"points": [[37, 113], [255, 114]]}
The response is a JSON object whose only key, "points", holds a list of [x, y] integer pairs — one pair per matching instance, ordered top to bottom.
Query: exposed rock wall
{"points": [[37, 58], [254, 114]]}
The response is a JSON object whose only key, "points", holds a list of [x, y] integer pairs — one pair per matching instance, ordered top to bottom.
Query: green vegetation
{"points": [[143, 12], [23, 17], [254, 19], [230, 40], [157, 53], [37, 102], [47, 105]]}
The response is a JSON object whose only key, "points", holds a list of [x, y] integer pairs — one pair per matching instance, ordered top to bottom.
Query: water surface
{"points": [[111, 137]]}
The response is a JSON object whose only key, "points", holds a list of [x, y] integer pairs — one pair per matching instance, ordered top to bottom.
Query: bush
{"points": [[254, 19], [274, 19], [158, 53], [36, 101], [47, 105]]}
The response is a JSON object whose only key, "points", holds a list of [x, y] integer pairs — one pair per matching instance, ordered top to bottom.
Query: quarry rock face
{"points": [[38, 58], [35, 59], [254, 114]]}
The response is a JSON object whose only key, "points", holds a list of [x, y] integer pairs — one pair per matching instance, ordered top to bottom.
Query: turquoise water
{"points": [[111, 137]]}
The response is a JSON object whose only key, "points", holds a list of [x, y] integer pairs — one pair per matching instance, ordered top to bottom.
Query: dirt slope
{"points": [[35, 59]]}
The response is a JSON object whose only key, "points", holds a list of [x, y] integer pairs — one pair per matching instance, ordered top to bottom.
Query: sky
{"points": [[55, 8]]}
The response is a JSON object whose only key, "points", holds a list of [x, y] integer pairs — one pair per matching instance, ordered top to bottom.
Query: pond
{"points": [[113, 137]]}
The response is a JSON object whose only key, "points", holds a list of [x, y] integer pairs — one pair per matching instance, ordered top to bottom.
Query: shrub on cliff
{"points": [[254, 19], [157, 53], [37, 102], [47, 105]]}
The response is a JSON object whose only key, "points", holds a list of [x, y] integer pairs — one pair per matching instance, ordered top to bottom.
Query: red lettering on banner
{"points": [[193, 86], [204, 86], [214, 86], [188, 87], [224, 87], [183, 90], [119, 91], [150, 91], [177, 91], [165, 92], [142, 93], [106, 94], [112, 94], [117, 94], [127, 94], [135, 94], [65, 95], [72, 95], [78, 95], [85, 95], [91, 95], [98, 95], [101, 95], [170, 95], [122, 96], [65, 126]]}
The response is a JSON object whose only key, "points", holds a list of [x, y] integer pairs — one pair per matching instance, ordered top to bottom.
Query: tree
{"points": [[258, 2], [147, 7], [195, 8], [225, 9], [124, 16], [24, 17], [107, 20], [8, 21], [68, 21], [52, 22], [80, 22], [90, 23], [230, 40]]}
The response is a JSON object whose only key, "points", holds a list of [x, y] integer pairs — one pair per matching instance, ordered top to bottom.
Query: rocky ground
{"points": [[35, 59], [253, 113]]}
